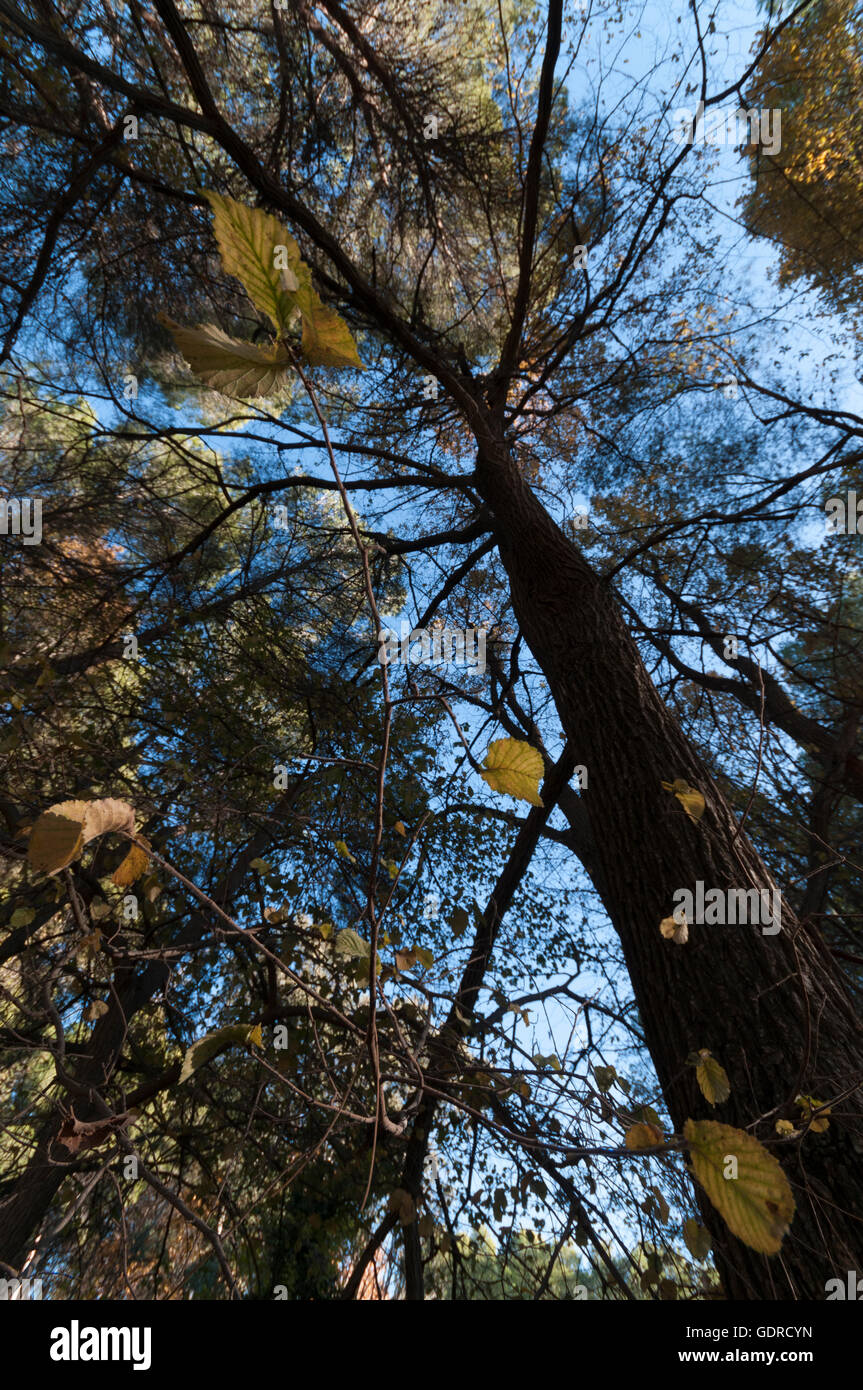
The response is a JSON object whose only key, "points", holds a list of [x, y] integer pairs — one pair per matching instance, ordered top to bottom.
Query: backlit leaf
{"points": [[247, 239], [227, 364], [515, 768], [62, 831], [131, 868], [350, 943], [201, 1052], [644, 1136], [757, 1204], [697, 1239]]}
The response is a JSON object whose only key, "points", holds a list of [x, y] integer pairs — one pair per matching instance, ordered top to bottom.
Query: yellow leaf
{"points": [[247, 239], [327, 340], [228, 365], [515, 768], [689, 797], [399, 828], [62, 831], [55, 841], [130, 868], [674, 930], [212, 1044], [712, 1079], [808, 1105], [644, 1136], [402, 1203], [757, 1204]]}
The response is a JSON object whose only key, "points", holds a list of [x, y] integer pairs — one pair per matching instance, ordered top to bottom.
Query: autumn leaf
{"points": [[247, 239], [327, 340], [227, 364], [514, 767], [689, 797], [61, 832], [132, 867], [674, 929], [350, 943], [405, 959], [209, 1046], [712, 1078], [808, 1106], [76, 1134], [644, 1136], [402, 1203], [757, 1204], [697, 1239]]}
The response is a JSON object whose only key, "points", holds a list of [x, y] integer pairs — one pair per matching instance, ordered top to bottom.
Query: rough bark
{"points": [[772, 1008]]}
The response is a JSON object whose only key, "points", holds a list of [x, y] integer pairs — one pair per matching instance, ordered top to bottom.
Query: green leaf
{"points": [[247, 239], [228, 365], [515, 768], [344, 852], [260, 866], [22, 917], [459, 922], [350, 943], [424, 956], [212, 1044], [605, 1077], [757, 1204]]}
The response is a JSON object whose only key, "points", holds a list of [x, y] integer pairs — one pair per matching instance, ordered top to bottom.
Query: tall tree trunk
{"points": [[772, 1009]]}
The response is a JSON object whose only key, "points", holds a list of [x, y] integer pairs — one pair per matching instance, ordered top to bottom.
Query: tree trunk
{"points": [[772, 1009]]}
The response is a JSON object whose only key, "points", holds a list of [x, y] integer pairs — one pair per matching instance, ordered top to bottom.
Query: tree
{"points": [[806, 196], [459, 256]]}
